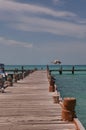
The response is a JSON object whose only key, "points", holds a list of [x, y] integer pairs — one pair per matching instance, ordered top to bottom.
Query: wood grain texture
{"points": [[28, 105]]}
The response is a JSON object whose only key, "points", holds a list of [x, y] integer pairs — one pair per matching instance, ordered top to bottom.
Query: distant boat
{"points": [[56, 62]]}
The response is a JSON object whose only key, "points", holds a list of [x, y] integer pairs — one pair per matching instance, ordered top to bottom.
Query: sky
{"points": [[40, 31]]}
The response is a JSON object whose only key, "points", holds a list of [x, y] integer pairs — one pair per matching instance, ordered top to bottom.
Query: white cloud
{"points": [[15, 6], [20, 21], [55, 27], [10, 42]]}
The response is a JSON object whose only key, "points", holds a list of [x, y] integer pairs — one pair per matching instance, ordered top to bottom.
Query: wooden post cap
{"points": [[56, 98], [69, 103]]}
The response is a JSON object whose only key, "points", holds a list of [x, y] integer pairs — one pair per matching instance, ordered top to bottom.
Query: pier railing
{"points": [[73, 70], [10, 78]]}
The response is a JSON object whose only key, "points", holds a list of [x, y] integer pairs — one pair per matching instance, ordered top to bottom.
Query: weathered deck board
{"points": [[29, 106]]}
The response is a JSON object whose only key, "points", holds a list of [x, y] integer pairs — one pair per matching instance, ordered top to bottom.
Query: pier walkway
{"points": [[28, 105]]}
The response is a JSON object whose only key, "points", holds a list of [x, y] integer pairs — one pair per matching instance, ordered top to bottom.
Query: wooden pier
{"points": [[72, 71], [28, 105]]}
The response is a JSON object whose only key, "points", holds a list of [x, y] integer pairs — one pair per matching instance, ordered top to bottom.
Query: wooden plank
{"points": [[28, 105], [78, 124]]}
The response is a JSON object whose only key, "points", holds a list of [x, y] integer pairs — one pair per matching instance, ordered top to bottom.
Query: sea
{"points": [[68, 84]]}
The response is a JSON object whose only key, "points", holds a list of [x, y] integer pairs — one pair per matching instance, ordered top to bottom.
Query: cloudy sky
{"points": [[39, 31]]}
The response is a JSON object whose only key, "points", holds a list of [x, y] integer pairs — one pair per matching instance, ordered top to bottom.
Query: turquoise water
{"points": [[30, 67], [68, 84], [74, 86]]}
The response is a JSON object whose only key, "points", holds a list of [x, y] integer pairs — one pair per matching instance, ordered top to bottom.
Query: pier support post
{"points": [[60, 70], [73, 70], [15, 78], [51, 80], [9, 81], [52, 84], [51, 87], [56, 98], [68, 109]]}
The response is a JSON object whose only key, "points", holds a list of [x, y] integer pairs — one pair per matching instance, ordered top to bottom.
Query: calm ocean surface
{"points": [[69, 85]]}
